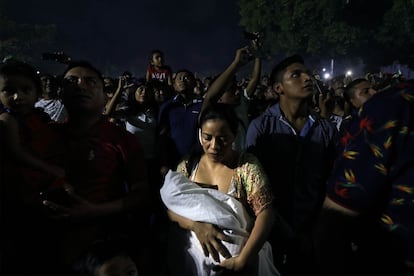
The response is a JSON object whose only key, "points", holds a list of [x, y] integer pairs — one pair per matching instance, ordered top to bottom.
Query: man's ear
{"points": [[277, 87]]}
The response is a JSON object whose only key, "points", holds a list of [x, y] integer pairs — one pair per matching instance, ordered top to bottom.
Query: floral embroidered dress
{"points": [[249, 183]]}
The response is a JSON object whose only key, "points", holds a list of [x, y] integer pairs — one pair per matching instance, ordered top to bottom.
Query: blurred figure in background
{"points": [[50, 101]]}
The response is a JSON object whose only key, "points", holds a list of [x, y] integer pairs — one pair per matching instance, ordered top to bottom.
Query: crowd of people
{"points": [[167, 174]]}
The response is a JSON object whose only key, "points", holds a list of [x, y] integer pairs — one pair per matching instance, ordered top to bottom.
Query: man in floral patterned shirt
{"points": [[368, 221]]}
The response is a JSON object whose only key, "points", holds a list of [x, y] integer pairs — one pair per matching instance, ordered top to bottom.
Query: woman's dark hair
{"points": [[15, 67], [133, 105], [216, 111], [221, 112]]}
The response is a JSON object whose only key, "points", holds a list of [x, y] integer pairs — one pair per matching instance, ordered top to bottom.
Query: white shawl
{"points": [[187, 199]]}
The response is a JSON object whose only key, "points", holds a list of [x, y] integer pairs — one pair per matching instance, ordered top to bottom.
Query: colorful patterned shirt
{"points": [[375, 173]]}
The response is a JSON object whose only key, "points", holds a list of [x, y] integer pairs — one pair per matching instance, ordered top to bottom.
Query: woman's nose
{"points": [[215, 143]]}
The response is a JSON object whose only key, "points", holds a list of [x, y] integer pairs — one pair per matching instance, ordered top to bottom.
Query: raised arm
{"points": [[257, 68], [216, 90], [110, 106]]}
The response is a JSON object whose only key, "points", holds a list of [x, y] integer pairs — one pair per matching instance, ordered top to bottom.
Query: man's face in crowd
{"points": [[183, 82], [296, 83], [49, 86], [83, 90]]}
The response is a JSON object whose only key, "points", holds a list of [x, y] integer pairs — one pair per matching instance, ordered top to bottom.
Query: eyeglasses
{"points": [[90, 81]]}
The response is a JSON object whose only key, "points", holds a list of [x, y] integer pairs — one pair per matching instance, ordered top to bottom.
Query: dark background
{"points": [[119, 35]]}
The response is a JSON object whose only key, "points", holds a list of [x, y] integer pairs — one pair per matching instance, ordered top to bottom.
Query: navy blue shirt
{"points": [[181, 120]]}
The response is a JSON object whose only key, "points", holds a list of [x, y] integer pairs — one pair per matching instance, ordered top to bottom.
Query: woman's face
{"points": [[141, 94], [159, 95], [216, 139]]}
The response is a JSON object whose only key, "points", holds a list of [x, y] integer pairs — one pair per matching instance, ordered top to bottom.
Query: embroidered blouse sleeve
{"points": [[182, 167], [256, 184]]}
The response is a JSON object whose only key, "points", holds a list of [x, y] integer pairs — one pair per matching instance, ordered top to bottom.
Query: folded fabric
{"points": [[187, 199]]}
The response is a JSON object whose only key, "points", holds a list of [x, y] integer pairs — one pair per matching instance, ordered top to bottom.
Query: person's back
{"points": [[296, 148], [370, 191]]}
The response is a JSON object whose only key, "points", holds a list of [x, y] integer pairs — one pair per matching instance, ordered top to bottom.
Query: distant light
{"points": [[323, 69], [38, 72], [349, 73], [326, 76]]}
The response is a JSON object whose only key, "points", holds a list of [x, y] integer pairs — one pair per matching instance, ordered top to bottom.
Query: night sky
{"points": [[119, 35]]}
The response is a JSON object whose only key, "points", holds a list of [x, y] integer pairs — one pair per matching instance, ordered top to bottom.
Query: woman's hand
{"points": [[210, 239], [234, 263]]}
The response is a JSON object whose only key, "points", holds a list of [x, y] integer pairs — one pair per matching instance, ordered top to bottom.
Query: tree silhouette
{"points": [[377, 32], [25, 42]]}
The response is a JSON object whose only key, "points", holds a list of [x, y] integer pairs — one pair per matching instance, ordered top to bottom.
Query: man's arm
{"points": [[251, 86], [216, 90], [110, 106]]}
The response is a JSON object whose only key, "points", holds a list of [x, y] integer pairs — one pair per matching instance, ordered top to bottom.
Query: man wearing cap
{"points": [[297, 148]]}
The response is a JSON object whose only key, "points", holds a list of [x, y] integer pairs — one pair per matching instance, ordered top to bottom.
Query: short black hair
{"points": [[155, 51], [83, 64], [16, 67], [279, 69], [185, 71], [127, 73]]}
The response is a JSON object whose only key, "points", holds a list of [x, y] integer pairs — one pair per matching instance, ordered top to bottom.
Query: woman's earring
{"points": [[199, 136]]}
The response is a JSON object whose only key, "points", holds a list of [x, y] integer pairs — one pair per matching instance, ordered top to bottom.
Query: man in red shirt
{"points": [[104, 168]]}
